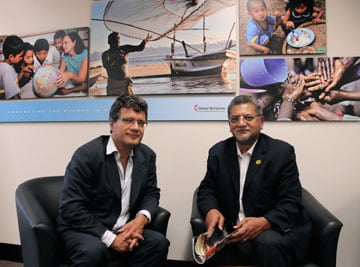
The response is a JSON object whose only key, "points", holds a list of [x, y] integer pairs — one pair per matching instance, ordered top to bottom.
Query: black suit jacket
{"points": [[272, 188], [90, 200]]}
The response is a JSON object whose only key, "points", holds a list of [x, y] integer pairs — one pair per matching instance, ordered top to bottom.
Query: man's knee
{"points": [[270, 238], [159, 242], [155, 244], [164, 244], [272, 249], [152, 251], [91, 254], [94, 254]]}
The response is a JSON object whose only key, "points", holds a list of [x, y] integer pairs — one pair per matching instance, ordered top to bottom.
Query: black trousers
{"points": [[268, 249], [88, 251]]}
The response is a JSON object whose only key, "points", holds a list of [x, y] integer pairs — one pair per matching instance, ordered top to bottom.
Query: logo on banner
{"points": [[198, 108]]}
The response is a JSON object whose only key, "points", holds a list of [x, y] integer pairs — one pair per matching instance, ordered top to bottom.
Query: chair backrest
{"points": [[42, 193], [37, 203], [325, 231]]}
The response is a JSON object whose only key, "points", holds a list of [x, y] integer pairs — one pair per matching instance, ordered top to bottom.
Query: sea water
{"points": [[172, 84], [186, 84]]}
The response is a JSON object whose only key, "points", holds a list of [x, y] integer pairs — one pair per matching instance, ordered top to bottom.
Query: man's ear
{"points": [[11, 58], [111, 126]]}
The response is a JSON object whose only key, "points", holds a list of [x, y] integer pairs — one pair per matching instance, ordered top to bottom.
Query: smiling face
{"points": [[258, 11], [68, 45], [245, 125], [126, 131]]}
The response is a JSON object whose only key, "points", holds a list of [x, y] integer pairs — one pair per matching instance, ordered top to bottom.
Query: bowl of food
{"points": [[300, 37]]}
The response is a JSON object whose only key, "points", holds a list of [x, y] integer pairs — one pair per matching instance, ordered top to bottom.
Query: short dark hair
{"points": [[292, 4], [59, 34], [113, 39], [41, 44], [79, 44], [13, 45], [27, 46], [245, 99], [127, 101]]}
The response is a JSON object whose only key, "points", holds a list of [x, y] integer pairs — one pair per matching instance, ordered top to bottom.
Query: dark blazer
{"points": [[272, 188], [90, 200]]}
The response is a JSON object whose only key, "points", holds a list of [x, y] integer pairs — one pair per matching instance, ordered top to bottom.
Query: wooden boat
{"points": [[162, 19], [208, 63]]}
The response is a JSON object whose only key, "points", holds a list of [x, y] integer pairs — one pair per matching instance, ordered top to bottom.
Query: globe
{"points": [[44, 81]]}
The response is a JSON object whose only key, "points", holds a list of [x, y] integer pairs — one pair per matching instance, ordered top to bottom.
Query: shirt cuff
{"points": [[146, 214], [107, 238]]}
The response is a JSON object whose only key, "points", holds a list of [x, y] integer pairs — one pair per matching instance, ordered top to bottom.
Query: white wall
{"points": [[326, 152]]}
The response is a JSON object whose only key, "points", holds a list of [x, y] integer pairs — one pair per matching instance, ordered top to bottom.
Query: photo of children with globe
{"points": [[47, 65]]}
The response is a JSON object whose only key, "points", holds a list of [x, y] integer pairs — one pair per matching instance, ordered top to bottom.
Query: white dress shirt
{"points": [[244, 160], [125, 181]]}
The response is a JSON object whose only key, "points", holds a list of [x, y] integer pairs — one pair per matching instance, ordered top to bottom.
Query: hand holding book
{"points": [[205, 245]]}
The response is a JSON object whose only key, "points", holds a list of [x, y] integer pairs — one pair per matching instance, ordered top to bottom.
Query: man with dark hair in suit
{"points": [[252, 187], [110, 194]]}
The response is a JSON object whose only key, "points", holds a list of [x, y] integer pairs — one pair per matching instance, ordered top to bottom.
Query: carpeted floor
{"points": [[170, 263], [10, 264]]}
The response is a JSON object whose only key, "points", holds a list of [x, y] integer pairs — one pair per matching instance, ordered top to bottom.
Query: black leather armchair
{"points": [[37, 205], [325, 231]]}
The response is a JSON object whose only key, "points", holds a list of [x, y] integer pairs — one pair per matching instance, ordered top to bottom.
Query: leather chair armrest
{"points": [[196, 220], [160, 221], [325, 231], [37, 234]]}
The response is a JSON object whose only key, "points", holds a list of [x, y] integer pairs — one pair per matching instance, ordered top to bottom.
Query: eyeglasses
{"points": [[247, 118], [140, 123]]}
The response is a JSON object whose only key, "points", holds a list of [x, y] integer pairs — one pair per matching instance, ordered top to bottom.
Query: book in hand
{"points": [[205, 245]]}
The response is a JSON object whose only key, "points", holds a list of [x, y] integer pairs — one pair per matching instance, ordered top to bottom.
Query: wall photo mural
{"points": [[282, 27], [163, 47], [174, 53], [186, 58], [52, 64], [304, 89]]}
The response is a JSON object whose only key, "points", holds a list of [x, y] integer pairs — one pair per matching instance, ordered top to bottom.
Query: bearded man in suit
{"points": [[252, 187], [110, 194]]}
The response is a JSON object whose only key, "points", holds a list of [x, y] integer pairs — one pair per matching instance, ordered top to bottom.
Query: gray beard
{"points": [[247, 141]]}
